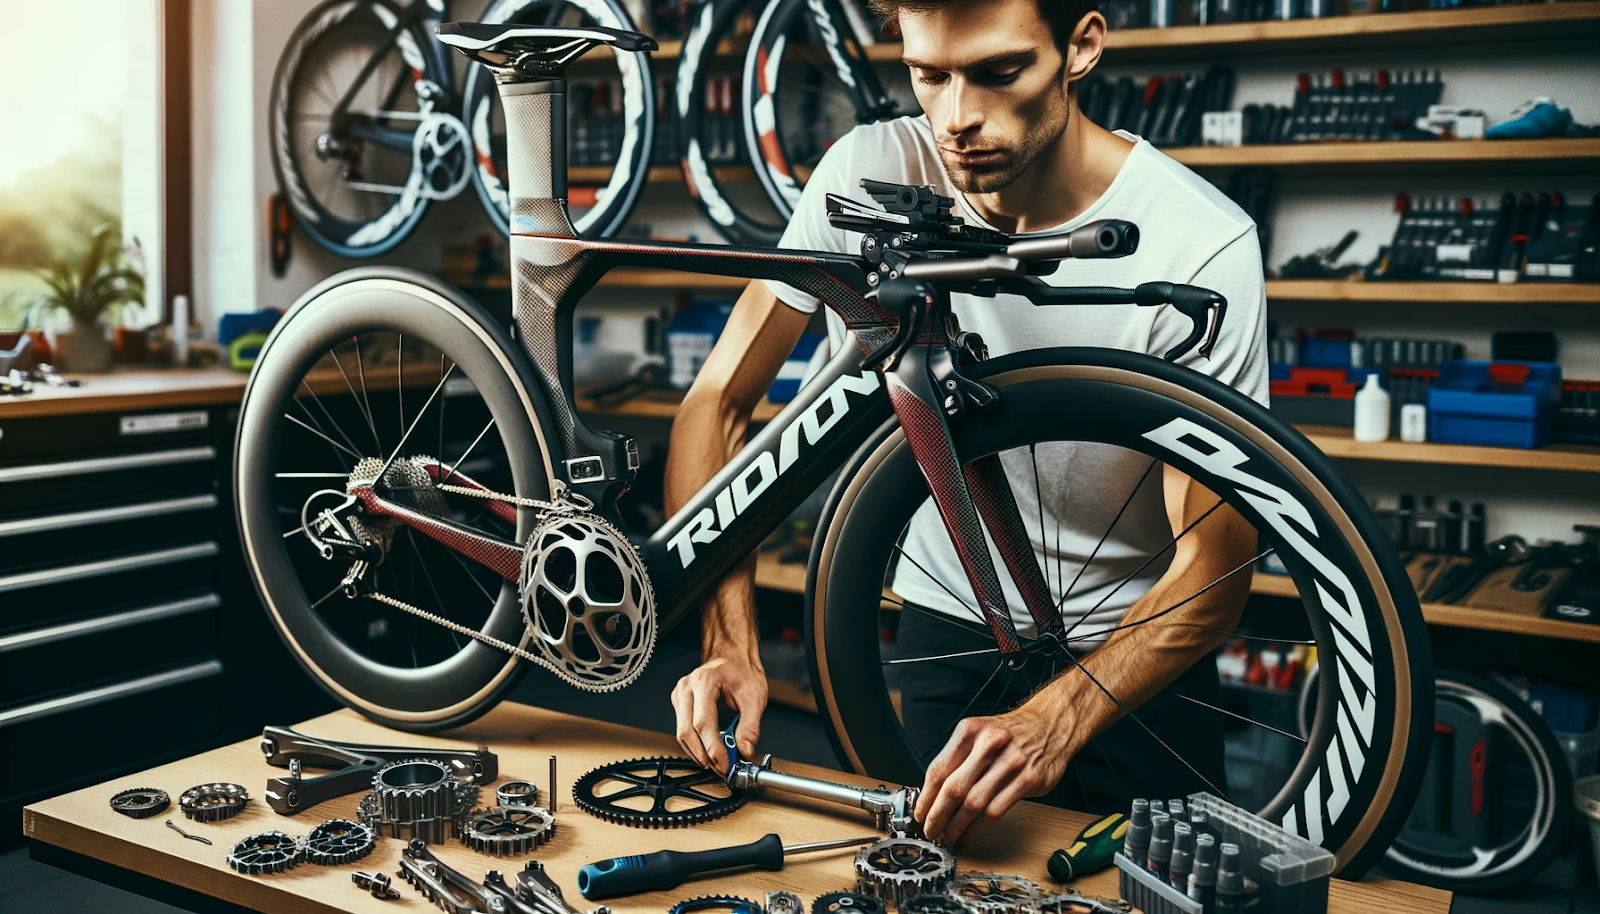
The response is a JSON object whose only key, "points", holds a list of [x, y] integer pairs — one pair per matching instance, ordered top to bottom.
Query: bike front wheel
{"points": [[1083, 435]]}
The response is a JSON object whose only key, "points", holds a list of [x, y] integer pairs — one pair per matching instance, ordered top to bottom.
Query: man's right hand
{"points": [[739, 682]]}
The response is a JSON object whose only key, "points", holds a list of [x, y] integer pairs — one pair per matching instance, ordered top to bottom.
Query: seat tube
{"points": [[536, 153]]}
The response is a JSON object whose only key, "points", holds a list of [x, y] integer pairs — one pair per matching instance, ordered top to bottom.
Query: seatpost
{"points": [[536, 151]]}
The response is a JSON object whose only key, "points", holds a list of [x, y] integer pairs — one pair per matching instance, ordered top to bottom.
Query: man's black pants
{"points": [[1122, 763]]}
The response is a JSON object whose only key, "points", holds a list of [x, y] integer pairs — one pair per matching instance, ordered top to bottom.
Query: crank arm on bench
{"points": [[356, 763], [891, 809]]}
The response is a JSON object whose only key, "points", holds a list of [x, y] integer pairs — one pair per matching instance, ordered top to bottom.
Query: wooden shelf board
{"points": [[1426, 27], [1562, 154], [594, 175], [670, 279], [1327, 290], [664, 404], [1341, 443], [787, 577], [1459, 616], [786, 693]]}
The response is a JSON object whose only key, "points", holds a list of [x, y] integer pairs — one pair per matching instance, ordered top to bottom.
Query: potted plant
{"points": [[92, 289]]}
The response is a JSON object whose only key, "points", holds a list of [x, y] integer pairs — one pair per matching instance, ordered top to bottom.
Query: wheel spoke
{"points": [[361, 370], [366, 410], [329, 416], [414, 422], [321, 435], [465, 454], [311, 475], [1096, 550], [1146, 564], [428, 576], [336, 588], [969, 608], [1154, 616], [986, 650], [961, 715], [1248, 720], [1143, 726]]}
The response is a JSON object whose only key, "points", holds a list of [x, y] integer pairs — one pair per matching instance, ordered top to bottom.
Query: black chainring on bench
{"points": [[661, 792]]}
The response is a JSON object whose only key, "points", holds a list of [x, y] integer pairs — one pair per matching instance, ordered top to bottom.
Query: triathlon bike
{"points": [[367, 126], [416, 579]]}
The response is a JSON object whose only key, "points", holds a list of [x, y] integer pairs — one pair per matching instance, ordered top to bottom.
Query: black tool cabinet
{"points": [[129, 635]]}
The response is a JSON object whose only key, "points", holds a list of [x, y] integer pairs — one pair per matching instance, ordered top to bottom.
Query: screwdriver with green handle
{"points": [[1091, 851], [670, 869]]}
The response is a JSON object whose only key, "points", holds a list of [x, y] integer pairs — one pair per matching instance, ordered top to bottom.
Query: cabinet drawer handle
{"points": [[107, 464], [107, 515], [106, 566], [132, 617], [126, 689]]}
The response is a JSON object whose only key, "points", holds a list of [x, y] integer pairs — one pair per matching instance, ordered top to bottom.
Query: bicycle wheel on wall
{"points": [[807, 80], [628, 151], [359, 162], [378, 366], [1347, 786]]}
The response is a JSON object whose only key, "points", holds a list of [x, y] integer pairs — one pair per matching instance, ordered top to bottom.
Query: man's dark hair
{"points": [[1061, 15]]}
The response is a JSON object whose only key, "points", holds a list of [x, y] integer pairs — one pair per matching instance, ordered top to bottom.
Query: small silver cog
{"points": [[587, 601], [508, 832], [897, 869]]}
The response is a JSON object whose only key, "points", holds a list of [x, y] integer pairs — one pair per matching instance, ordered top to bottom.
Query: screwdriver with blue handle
{"points": [[1092, 850], [670, 869]]}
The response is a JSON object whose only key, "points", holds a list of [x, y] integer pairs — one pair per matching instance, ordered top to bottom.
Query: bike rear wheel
{"points": [[630, 154], [354, 186], [387, 365], [1347, 786]]}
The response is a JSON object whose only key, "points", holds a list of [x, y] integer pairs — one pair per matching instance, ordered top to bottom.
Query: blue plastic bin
{"points": [[787, 385], [1465, 405]]}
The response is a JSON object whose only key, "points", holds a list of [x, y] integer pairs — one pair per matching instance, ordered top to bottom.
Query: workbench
{"points": [[79, 831]]}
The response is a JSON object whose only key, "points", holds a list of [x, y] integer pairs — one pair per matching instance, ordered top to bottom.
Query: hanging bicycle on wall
{"points": [[367, 125]]}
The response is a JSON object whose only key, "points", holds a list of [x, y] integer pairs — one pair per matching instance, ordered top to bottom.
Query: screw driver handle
{"points": [[669, 869]]}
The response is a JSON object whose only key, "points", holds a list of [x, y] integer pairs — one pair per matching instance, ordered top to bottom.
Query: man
{"points": [[1001, 132]]}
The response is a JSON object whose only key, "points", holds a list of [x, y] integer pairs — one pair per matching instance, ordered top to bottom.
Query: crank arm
{"points": [[356, 764], [891, 809]]}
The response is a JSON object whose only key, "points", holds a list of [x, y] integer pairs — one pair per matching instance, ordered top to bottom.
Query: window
{"points": [[81, 141]]}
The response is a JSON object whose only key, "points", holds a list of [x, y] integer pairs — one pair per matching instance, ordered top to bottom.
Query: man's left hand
{"points": [[987, 766]]}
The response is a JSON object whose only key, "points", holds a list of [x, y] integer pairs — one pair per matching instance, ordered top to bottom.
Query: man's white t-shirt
{"points": [[1189, 233]]}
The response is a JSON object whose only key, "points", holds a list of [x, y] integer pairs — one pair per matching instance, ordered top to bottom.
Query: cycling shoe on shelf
{"points": [[1534, 120]]}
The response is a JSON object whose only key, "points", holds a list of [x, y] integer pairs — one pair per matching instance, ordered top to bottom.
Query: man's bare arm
{"points": [[708, 431], [992, 762]]}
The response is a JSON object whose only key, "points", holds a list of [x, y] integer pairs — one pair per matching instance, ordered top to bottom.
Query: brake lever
{"points": [[908, 300], [1202, 306]]}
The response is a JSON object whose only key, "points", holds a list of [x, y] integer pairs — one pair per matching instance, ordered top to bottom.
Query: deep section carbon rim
{"points": [[330, 395], [1346, 787]]}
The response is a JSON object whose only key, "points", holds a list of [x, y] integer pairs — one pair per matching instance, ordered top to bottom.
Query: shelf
{"points": [[1429, 28], [1494, 156], [595, 175], [670, 279], [1324, 290], [664, 404], [1340, 443], [787, 577], [1459, 616]]}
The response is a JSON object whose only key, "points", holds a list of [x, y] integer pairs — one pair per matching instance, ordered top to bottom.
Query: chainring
{"points": [[587, 601], [662, 792], [898, 869], [996, 893], [848, 902], [730, 904]]}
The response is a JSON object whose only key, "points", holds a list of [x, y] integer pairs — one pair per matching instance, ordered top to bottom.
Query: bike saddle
{"points": [[534, 50]]}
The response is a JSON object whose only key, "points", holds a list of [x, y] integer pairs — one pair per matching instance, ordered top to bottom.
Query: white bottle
{"points": [[1372, 411]]}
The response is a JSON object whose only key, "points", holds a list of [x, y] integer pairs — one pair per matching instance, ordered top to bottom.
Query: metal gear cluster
{"points": [[663, 792], [417, 798], [141, 802], [213, 802], [508, 831], [337, 842], [266, 853], [898, 869], [996, 893], [847, 902], [784, 903], [730, 904]]}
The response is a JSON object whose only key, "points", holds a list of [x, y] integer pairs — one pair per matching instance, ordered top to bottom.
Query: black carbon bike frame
{"points": [[815, 434]]}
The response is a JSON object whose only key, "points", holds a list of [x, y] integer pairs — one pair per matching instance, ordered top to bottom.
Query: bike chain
{"points": [[565, 504]]}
